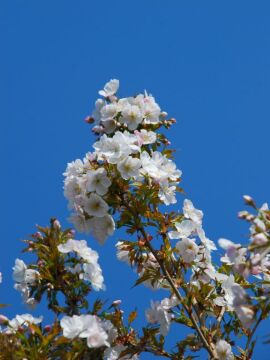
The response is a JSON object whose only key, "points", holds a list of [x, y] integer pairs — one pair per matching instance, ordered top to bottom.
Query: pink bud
{"points": [[37, 235], [47, 328]]}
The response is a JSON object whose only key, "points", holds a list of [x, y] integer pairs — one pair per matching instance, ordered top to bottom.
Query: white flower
{"points": [[110, 88], [98, 106], [151, 110], [108, 112], [131, 116], [145, 137], [112, 149], [129, 167], [159, 167], [74, 168], [98, 181], [167, 193], [96, 206], [191, 213], [80, 223], [102, 227], [183, 230], [81, 248], [188, 249], [122, 254], [235, 254], [19, 271], [93, 273], [21, 274], [227, 283], [159, 314], [245, 315], [22, 320], [72, 326], [85, 326], [224, 350], [114, 352]]}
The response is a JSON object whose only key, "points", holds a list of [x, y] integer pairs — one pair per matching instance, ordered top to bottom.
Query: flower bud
{"points": [[164, 114], [89, 120], [249, 201], [243, 214], [56, 224], [37, 235], [117, 302], [3, 320], [47, 328]]}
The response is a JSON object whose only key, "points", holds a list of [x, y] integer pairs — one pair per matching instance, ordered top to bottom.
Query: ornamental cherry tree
{"points": [[128, 181]]}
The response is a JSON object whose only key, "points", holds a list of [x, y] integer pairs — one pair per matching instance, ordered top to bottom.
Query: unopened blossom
{"points": [[110, 88], [129, 167], [98, 181], [96, 206], [188, 249], [224, 350]]}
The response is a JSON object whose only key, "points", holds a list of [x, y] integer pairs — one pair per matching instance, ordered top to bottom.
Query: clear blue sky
{"points": [[206, 62]]}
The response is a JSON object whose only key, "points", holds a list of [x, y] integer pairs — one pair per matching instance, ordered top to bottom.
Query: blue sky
{"points": [[207, 64]]}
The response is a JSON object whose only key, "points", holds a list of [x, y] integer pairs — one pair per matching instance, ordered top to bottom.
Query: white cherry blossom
{"points": [[110, 88], [129, 167], [98, 181], [96, 206], [191, 213], [102, 227], [188, 249], [224, 350]]}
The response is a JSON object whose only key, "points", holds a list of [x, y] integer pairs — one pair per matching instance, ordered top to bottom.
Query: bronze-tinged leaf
{"points": [[132, 316]]}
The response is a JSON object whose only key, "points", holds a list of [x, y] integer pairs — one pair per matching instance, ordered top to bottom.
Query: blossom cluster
{"points": [[126, 149], [125, 182], [89, 269], [24, 277], [97, 332]]}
